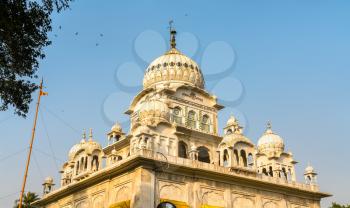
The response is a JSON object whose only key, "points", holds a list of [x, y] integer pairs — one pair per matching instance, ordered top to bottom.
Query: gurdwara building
{"points": [[174, 155]]}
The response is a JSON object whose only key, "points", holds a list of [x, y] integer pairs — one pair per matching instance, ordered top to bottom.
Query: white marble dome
{"points": [[173, 67], [152, 112], [231, 121], [116, 127], [231, 139], [270, 143], [86, 146], [75, 149], [309, 169], [48, 180]]}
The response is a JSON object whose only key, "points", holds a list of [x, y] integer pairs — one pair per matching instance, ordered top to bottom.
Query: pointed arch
{"points": [[191, 119], [182, 149], [235, 152], [203, 154], [226, 158], [244, 158]]}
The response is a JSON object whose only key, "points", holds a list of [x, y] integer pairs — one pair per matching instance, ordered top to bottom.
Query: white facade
{"points": [[174, 154]]}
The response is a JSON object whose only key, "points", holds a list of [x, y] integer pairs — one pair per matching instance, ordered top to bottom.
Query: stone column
{"points": [[143, 143], [221, 156], [217, 157], [89, 159], [230, 159], [276, 172], [293, 174], [144, 187]]}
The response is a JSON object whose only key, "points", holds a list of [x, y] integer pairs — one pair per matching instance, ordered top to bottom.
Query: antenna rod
{"points": [[31, 143]]}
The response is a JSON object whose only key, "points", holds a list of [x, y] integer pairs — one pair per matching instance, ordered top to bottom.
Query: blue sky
{"points": [[284, 61]]}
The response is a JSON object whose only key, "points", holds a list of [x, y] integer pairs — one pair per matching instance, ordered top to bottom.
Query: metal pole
{"points": [[31, 145]]}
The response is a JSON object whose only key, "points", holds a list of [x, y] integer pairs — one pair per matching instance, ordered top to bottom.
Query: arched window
{"points": [[177, 115], [191, 119], [205, 123], [229, 131], [116, 138], [147, 142], [182, 149], [235, 152], [203, 154], [226, 158], [244, 158], [250, 160], [86, 161], [82, 163], [94, 163], [77, 169], [264, 171], [270, 171], [284, 173], [289, 174], [308, 179], [166, 205]]}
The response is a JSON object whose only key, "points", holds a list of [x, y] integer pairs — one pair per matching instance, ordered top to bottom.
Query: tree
{"points": [[24, 27], [28, 198], [335, 205]]}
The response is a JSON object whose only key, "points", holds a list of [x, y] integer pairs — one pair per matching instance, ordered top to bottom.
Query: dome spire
{"points": [[172, 34], [269, 127], [90, 135], [84, 136]]}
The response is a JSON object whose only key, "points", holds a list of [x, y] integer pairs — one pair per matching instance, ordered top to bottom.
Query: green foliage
{"points": [[24, 27], [28, 198], [335, 205]]}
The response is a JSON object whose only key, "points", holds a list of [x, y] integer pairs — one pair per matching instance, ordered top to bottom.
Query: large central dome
{"points": [[173, 67]]}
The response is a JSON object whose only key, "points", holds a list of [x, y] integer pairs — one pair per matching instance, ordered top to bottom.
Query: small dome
{"points": [[173, 67], [151, 112], [231, 121], [116, 127], [231, 139], [270, 143], [87, 146], [91, 146], [75, 149], [114, 152], [309, 169], [48, 180]]}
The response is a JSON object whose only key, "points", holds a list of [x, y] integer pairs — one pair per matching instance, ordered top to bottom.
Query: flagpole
{"points": [[31, 143]]}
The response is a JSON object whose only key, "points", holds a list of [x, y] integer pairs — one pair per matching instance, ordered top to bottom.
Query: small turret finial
{"points": [[172, 34], [269, 125], [268, 128], [84, 134], [90, 135]]}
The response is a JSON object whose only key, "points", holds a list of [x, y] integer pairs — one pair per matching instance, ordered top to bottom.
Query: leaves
{"points": [[24, 27], [28, 198], [335, 205]]}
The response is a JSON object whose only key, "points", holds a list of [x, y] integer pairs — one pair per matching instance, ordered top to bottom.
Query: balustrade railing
{"points": [[213, 167], [237, 171]]}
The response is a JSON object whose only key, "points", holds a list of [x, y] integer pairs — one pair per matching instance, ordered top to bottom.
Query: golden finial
{"points": [[172, 34], [90, 135]]}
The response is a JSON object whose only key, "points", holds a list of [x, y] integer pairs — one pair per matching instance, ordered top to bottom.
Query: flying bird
{"points": [[76, 33]]}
